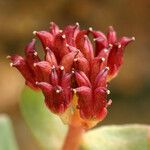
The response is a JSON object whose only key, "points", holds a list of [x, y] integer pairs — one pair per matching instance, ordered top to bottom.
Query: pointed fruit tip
{"points": [[51, 23], [77, 24], [111, 28], [90, 29], [60, 31], [34, 32], [63, 36], [85, 36], [133, 38], [94, 39], [67, 45], [110, 45], [119, 45], [47, 48], [105, 50], [35, 53], [8, 57], [75, 59], [103, 59], [11, 64], [34, 65], [53, 67], [62, 68], [107, 68], [73, 71], [36, 82], [58, 91], [74, 91], [108, 92], [109, 102]]}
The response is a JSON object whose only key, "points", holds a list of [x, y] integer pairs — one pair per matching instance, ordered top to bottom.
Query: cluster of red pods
{"points": [[73, 64]]}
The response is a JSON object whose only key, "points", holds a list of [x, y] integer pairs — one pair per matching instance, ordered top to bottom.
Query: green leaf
{"points": [[45, 126], [117, 137], [7, 138]]}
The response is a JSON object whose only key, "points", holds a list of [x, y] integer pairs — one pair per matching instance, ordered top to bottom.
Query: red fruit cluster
{"points": [[73, 64]]}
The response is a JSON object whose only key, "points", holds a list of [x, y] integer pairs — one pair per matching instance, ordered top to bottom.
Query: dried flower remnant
{"points": [[74, 75]]}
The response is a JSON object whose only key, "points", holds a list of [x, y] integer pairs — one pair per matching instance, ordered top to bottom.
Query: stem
{"points": [[73, 138]]}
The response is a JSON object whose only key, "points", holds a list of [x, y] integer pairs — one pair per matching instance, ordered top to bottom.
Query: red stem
{"points": [[73, 138]]}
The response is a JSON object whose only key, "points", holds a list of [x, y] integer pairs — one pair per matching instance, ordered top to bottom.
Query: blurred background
{"points": [[130, 91]]}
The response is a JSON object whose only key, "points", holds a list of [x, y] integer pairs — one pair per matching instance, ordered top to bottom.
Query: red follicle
{"points": [[73, 65]]}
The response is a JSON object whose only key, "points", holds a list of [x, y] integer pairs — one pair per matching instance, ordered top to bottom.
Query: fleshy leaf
{"points": [[46, 127], [117, 137], [7, 138]]}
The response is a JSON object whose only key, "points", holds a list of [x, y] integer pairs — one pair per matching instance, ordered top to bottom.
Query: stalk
{"points": [[73, 138]]}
